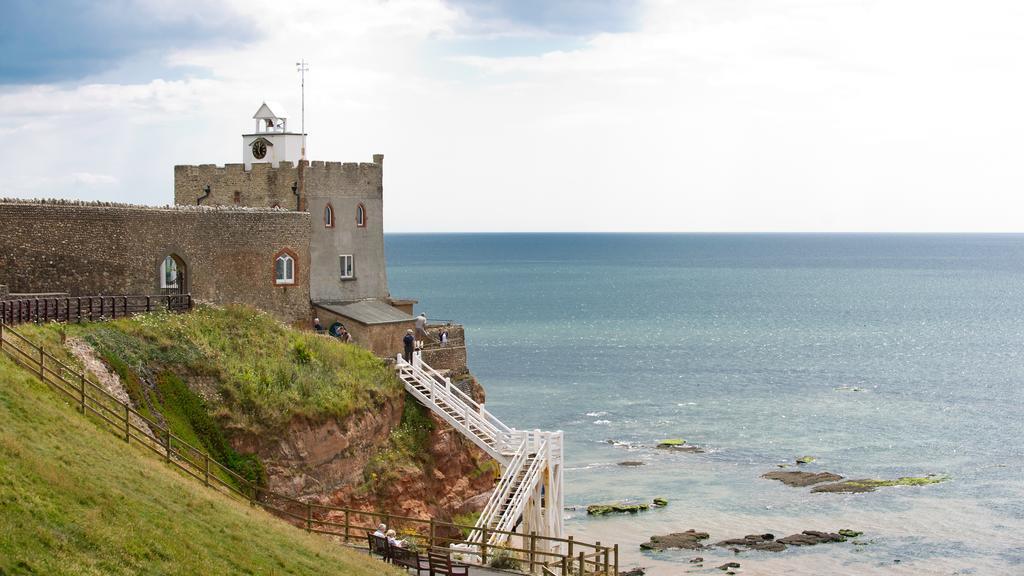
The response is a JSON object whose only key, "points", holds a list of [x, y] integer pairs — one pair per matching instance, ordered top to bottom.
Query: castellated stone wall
{"points": [[343, 186], [261, 187], [92, 249]]}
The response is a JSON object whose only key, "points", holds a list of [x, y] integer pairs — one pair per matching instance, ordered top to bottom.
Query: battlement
{"points": [[284, 167], [264, 185]]}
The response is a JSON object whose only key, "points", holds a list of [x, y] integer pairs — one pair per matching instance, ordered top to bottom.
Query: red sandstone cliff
{"points": [[328, 461]]}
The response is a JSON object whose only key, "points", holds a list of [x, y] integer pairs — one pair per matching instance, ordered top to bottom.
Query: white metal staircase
{"points": [[528, 497]]}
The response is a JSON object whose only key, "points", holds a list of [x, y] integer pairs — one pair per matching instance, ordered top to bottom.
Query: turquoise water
{"points": [[750, 346]]}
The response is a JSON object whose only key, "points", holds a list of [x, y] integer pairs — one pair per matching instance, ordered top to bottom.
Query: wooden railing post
{"points": [[42, 375], [81, 392], [127, 425], [167, 442], [206, 468], [309, 516], [346, 525], [430, 541], [483, 547], [616, 549], [533, 550], [569, 554], [583, 560], [565, 566]]}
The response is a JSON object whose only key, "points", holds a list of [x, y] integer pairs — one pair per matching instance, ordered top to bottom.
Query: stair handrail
{"points": [[440, 378], [444, 390], [499, 433], [500, 494], [518, 502]]}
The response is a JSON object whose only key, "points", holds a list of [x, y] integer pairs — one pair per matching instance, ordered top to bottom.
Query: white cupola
{"points": [[271, 141]]}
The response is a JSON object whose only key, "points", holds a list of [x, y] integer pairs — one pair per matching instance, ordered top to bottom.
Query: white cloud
{"points": [[712, 115]]}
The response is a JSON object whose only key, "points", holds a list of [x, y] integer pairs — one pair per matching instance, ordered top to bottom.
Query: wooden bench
{"points": [[378, 545], [408, 559], [441, 564]]}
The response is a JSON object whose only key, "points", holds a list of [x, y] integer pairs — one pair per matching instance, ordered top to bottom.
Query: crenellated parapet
{"points": [[286, 185]]}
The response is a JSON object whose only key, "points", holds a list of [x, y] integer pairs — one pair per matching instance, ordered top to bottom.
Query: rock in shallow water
{"points": [[678, 445], [631, 463], [800, 479], [870, 485], [615, 508], [811, 538], [689, 540], [765, 542]]}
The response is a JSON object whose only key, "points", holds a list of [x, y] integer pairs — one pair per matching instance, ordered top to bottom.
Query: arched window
{"points": [[328, 216], [361, 216], [284, 268], [169, 273]]}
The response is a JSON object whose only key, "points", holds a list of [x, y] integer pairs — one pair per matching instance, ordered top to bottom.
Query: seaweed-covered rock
{"points": [[678, 445], [805, 459], [631, 463], [800, 479], [870, 485], [660, 502], [615, 508], [846, 532], [811, 538], [689, 540], [765, 542], [729, 566], [633, 572]]}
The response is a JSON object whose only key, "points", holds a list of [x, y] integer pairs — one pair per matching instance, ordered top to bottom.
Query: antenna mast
{"points": [[302, 66]]}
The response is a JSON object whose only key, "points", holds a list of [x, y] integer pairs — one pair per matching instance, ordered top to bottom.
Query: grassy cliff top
{"points": [[253, 372], [74, 499]]}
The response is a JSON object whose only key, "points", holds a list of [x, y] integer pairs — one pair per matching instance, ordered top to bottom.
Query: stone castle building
{"points": [[298, 239]]}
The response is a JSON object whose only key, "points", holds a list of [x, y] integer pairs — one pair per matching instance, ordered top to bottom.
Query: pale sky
{"points": [[533, 115]]}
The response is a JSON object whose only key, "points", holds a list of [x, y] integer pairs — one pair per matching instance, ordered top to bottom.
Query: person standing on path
{"points": [[421, 325], [409, 341]]}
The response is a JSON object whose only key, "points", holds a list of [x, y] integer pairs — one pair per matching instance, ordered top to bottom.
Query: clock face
{"points": [[259, 149]]}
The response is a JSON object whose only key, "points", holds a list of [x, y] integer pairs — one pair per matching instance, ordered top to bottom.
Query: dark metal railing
{"points": [[91, 308]]}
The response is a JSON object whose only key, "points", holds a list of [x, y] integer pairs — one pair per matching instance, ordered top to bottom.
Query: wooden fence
{"points": [[93, 308], [553, 556]]}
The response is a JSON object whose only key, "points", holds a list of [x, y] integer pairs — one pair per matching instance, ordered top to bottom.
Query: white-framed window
{"points": [[347, 266], [284, 269], [169, 273]]}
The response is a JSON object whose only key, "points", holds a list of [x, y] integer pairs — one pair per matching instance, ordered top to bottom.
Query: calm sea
{"points": [[881, 355]]}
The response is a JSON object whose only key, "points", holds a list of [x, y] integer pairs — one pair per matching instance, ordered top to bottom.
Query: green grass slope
{"points": [[220, 371], [75, 499]]}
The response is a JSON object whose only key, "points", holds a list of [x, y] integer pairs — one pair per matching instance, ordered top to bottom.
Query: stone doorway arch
{"points": [[173, 275]]}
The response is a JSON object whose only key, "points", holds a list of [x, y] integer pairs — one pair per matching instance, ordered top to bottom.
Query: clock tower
{"points": [[271, 141]]}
